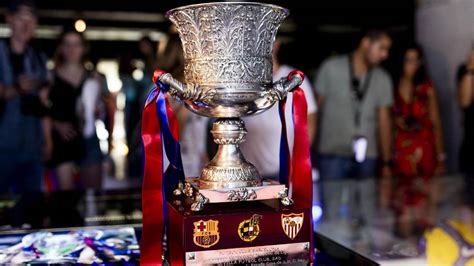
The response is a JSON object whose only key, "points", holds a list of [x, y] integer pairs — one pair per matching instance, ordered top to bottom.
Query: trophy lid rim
{"points": [[171, 11]]}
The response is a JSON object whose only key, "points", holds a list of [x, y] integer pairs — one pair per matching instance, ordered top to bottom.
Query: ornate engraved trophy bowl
{"points": [[228, 55], [228, 71]]}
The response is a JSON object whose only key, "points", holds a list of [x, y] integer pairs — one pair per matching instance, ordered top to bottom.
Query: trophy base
{"points": [[244, 175], [268, 190], [245, 233]]}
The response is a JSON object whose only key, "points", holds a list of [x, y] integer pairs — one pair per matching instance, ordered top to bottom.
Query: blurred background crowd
{"points": [[390, 92]]}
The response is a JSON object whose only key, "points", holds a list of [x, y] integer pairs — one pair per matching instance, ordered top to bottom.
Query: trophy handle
{"points": [[285, 85], [282, 87], [184, 92]]}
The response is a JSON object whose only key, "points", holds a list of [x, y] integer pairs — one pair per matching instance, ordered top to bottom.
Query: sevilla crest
{"points": [[292, 224]]}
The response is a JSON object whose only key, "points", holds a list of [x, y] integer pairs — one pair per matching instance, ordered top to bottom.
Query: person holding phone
{"points": [[355, 96]]}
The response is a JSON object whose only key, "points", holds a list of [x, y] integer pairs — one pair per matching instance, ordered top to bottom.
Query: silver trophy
{"points": [[228, 71]]}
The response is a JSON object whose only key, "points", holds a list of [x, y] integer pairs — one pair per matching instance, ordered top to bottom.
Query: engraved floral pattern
{"points": [[228, 43], [229, 174]]}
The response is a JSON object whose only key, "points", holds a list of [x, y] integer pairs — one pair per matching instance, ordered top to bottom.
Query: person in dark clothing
{"points": [[465, 79], [74, 95], [66, 134], [25, 138]]}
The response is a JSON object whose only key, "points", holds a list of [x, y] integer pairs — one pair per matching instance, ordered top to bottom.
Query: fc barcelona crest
{"points": [[292, 223], [249, 229], [206, 233]]}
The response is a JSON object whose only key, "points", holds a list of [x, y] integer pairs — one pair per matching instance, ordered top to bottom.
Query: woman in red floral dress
{"points": [[419, 151]]}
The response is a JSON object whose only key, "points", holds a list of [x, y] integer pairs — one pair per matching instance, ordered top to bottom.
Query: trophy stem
{"points": [[229, 168]]}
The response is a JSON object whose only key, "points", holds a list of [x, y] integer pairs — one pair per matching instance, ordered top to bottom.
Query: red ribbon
{"points": [[301, 164], [301, 173], [301, 176], [152, 193]]}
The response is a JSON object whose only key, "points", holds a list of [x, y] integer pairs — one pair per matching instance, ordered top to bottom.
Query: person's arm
{"points": [[24, 84], [6, 92], [90, 99], [46, 122], [385, 124], [47, 125], [437, 127], [385, 135], [385, 139]]}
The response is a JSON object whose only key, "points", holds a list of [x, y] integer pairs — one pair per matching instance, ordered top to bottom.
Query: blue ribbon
{"points": [[284, 147], [174, 173]]}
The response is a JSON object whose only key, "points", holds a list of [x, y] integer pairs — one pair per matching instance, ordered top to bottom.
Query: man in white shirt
{"points": [[193, 143], [262, 146]]}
